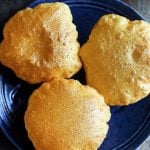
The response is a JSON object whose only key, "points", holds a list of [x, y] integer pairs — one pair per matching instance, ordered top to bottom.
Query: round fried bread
{"points": [[41, 43], [116, 59], [65, 115]]}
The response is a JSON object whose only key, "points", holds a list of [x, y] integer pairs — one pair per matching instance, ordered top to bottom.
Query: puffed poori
{"points": [[41, 43], [116, 59], [65, 115]]}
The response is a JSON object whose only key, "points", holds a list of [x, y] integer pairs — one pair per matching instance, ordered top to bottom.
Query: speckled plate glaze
{"points": [[129, 126]]}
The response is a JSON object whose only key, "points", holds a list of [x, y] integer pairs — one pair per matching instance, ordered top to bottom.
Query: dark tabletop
{"points": [[142, 6], [8, 7]]}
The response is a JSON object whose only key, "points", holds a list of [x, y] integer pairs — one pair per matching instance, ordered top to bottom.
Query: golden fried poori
{"points": [[41, 43], [116, 59], [65, 115]]}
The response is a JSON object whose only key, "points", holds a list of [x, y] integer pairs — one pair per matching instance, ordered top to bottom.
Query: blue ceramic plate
{"points": [[129, 126]]}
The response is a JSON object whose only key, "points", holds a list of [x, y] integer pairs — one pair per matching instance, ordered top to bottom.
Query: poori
{"points": [[41, 43], [116, 59], [65, 115]]}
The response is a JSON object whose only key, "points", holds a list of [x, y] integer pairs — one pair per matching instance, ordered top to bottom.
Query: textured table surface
{"points": [[9, 6], [142, 6]]}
